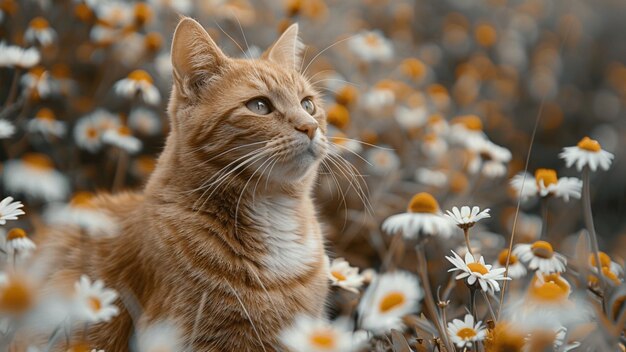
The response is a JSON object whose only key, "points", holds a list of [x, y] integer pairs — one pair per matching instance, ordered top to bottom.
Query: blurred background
{"points": [[85, 110]]}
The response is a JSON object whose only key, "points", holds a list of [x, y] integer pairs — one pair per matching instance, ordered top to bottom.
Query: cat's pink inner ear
{"points": [[287, 50], [195, 56]]}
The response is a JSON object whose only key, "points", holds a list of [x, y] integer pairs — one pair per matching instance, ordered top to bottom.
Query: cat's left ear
{"points": [[287, 50]]}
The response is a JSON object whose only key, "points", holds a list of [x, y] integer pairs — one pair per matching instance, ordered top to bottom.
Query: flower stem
{"points": [[120, 172], [544, 217], [593, 238], [467, 240], [428, 296], [473, 301]]}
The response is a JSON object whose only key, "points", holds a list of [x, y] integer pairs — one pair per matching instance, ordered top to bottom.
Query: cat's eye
{"points": [[260, 106], [308, 106]]}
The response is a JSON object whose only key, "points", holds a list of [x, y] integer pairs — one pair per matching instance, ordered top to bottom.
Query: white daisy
{"points": [[178, 6], [39, 32], [371, 46], [15, 56], [138, 82], [37, 83], [377, 99], [411, 118], [145, 122], [46, 124], [437, 124], [6, 129], [89, 129], [465, 130], [123, 139], [433, 146], [587, 152], [487, 157], [382, 161], [34, 175], [430, 177], [546, 184], [10, 210], [81, 212], [422, 218], [466, 218], [17, 241], [540, 256], [516, 268], [477, 271], [343, 275], [389, 297], [93, 302], [464, 332], [309, 334], [160, 337]]}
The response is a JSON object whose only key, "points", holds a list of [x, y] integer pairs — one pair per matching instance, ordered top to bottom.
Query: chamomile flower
{"points": [[178, 6], [39, 32], [371, 46], [15, 56], [138, 82], [37, 83], [378, 99], [410, 118], [144, 121], [46, 124], [6, 129], [89, 129], [466, 129], [123, 139], [341, 143], [433, 146], [587, 152], [487, 157], [381, 161], [34, 175], [430, 177], [546, 184], [10, 210], [81, 212], [422, 218], [466, 218], [17, 241], [540, 256], [516, 268], [610, 269], [477, 271], [343, 275], [550, 289], [17, 294], [389, 297], [93, 302], [464, 332], [309, 334], [160, 337], [542, 339]]}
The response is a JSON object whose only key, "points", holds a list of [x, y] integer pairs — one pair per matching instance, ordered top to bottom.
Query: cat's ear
{"points": [[287, 50], [196, 59]]}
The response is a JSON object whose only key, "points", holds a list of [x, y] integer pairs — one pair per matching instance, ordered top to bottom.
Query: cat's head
{"points": [[261, 114]]}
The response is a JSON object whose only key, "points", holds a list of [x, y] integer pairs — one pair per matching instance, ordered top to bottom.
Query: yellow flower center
{"points": [[143, 12], [39, 23], [486, 35], [372, 40], [153, 41], [413, 68], [37, 71], [141, 76], [437, 89], [347, 95], [45, 114], [338, 115], [434, 119], [471, 122], [124, 131], [92, 133], [589, 144], [38, 161], [548, 176], [82, 200], [423, 203], [15, 234], [542, 249], [503, 255], [605, 260], [478, 268], [339, 276], [553, 289], [15, 297], [391, 301], [94, 303], [466, 333], [324, 339], [79, 347]]}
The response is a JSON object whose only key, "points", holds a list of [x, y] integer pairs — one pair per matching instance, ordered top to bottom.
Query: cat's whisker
{"points": [[242, 34], [231, 38], [323, 51], [318, 73], [334, 79], [364, 143], [233, 149], [353, 152], [278, 158], [270, 162], [346, 168], [353, 183], [243, 190], [341, 191], [245, 310]]}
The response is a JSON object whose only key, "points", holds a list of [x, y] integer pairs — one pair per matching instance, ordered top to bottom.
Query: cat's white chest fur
{"points": [[293, 244]]}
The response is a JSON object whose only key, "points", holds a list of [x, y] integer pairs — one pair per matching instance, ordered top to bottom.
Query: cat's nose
{"points": [[308, 127]]}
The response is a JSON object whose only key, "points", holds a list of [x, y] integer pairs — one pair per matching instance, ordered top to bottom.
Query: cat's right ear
{"points": [[196, 59]]}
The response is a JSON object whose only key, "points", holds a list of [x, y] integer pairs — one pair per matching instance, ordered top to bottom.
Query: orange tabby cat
{"points": [[227, 214]]}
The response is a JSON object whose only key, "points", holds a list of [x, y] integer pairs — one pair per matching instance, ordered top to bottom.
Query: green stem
{"points": [[544, 217], [593, 238], [467, 240]]}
